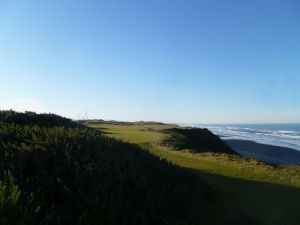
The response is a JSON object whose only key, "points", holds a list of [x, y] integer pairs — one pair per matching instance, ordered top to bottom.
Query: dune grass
{"points": [[268, 193]]}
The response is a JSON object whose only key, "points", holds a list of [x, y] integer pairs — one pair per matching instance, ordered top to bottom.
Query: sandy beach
{"points": [[269, 153]]}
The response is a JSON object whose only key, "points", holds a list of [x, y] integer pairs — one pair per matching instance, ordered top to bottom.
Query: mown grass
{"points": [[268, 193]]}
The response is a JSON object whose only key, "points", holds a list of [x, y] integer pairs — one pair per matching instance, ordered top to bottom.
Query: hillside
{"points": [[32, 118], [195, 139], [57, 172], [266, 194]]}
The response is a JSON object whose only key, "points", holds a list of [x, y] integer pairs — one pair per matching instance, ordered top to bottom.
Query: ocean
{"points": [[284, 135]]}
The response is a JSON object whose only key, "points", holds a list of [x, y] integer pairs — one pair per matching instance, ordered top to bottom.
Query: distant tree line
{"points": [[115, 122]]}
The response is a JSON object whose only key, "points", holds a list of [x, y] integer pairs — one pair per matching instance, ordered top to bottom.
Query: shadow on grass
{"points": [[103, 130], [268, 203]]}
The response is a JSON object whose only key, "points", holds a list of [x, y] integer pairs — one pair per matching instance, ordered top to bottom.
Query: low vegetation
{"points": [[31, 119], [195, 139], [56, 172], [268, 193]]}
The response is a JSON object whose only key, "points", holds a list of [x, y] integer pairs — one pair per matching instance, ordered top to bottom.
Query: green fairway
{"points": [[270, 194]]}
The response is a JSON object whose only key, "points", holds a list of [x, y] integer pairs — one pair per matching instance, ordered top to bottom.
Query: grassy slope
{"points": [[52, 173], [272, 195]]}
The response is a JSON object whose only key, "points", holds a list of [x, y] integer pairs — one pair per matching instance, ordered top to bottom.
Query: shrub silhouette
{"points": [[32, 118]]}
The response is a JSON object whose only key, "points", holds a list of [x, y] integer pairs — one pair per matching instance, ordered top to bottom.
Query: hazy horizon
{"points": [[205, 62]]}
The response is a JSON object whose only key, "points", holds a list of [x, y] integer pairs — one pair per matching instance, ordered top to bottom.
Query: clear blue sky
{"points": [[173, 61]]}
